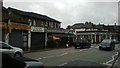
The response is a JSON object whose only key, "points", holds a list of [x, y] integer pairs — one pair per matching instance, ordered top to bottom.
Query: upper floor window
{"points": [[34, 23]]}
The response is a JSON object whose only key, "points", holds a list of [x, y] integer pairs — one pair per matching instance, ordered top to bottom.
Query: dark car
{"points": [[82, 43], [107, 44], [19, 62]]}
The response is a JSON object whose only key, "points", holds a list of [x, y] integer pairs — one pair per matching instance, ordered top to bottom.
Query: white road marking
{"points": [[96, 47], [75, 51], [60, 54], [63, 54], [49, 56], [39, 59], [75, 59], [111, 59], [62, 64]]}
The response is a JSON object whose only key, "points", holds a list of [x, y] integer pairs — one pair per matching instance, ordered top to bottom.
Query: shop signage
{"points": [[3, 25], [19, 26], [37, 29], [55, 31], [59, 31], [92, 33]]}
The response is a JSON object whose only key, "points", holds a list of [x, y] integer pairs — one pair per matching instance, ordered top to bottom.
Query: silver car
{"points": [[10, 50]]}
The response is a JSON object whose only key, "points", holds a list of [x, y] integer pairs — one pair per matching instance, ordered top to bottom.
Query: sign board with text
{"points": [[37, 29]]}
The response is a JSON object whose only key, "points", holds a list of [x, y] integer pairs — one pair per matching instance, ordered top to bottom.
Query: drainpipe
{"points": [[29, 36]]}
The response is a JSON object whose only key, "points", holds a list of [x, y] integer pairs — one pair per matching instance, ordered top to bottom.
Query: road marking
{"points": [[96, 47], [61, 54], [52, 56], [48, 57], [39, 59], [75, 59], [111, 59], [62, 64]]}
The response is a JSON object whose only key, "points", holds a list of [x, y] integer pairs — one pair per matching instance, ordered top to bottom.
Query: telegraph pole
{"points": [[8, 28], [29, 36], [46, 36]]}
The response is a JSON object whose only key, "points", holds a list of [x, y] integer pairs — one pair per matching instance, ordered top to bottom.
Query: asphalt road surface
{"points": [[61, 57]]}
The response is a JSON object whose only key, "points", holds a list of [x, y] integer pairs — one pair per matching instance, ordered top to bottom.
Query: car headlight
{"points": [[100, 45]]}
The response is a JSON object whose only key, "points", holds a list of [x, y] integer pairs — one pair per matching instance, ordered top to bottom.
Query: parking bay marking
{"points": [[113, 58]]}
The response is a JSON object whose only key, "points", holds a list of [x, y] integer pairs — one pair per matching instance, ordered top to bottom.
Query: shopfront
{"points": [[18, 35]]}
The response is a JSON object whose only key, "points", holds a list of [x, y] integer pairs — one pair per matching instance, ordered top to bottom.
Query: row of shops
{"points": [[31, 31], [96, 33], [98, 36], [36, 37]]}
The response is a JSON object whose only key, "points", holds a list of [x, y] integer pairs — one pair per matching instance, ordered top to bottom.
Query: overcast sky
{"points": [[70, 12]]}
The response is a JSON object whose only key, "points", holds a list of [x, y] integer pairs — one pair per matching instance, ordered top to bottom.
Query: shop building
{"points": [[30, 30], [96, 33]]}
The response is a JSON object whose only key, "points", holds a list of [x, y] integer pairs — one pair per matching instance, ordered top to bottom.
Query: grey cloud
{"points": [[71, 12]]}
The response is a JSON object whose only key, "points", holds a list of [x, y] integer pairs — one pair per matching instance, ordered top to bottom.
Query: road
{"points": [[60, 57]]}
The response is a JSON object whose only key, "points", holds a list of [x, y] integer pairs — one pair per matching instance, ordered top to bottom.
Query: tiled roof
{"points": [[4, 9], [33, 15], [78, 25], [82, 25], [91, 25]]}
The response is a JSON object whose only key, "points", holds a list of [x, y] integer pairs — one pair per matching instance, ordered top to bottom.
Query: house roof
{"points": [[4, 9], [33, 15], [82, 25], [88, 25], [91, 25], [77, 26], [99, 26]]}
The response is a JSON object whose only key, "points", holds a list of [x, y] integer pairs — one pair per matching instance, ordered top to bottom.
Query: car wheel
{"points": [[89, 46], [75, 47], [100, 48], [113, 48], [18, 54]]}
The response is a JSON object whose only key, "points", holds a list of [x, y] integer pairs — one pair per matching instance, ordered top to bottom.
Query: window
{"points": [[34, 23], [4, 46]]}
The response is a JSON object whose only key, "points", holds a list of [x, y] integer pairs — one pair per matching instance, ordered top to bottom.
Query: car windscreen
{"points": [[80, 40], [105, 42]]}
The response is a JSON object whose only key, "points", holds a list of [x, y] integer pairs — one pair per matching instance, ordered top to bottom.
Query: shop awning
{"points": [[64, 35]]}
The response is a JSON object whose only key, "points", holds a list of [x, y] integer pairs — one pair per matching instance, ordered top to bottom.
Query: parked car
{"points": [[82, 43], [107, 44], [10, 50], [20, 62]]}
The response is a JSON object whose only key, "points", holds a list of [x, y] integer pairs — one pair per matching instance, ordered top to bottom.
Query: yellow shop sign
{"points": [[19, 26]]}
